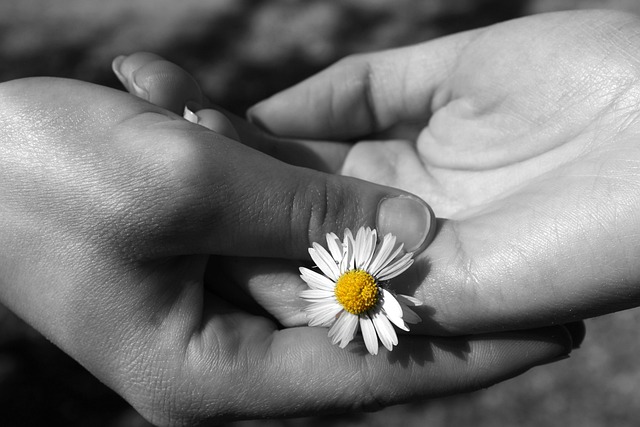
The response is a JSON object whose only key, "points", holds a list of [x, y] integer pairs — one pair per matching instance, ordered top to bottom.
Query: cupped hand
{"points": [[528, 147], [110, 209]]}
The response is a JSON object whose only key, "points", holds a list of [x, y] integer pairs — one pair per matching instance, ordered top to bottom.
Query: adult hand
{"points": [[529, 146], [109, 209]]}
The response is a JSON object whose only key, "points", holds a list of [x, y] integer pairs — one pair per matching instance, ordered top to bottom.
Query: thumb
{"points": [[180, 188], [243, 202]]}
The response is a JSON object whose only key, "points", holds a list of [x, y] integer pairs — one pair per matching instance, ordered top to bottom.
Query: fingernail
{"points": [[116, 66], [142, 93], [254, 119], [409, 219], [578, 331]]}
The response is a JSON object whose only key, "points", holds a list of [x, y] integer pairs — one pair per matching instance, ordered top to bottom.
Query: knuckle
{"points": [[361, 74], [166, 189], [130, 200], [326, 205], [318, 211]]}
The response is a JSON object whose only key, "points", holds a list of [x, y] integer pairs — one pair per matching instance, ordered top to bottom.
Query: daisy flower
{"points": [[351, 291]]}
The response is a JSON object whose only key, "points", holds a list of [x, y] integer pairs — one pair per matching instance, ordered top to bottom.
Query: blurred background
{"points": [[242, 51]]}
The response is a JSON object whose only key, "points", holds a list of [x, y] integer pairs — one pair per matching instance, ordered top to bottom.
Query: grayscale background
{"points": [[242, 51]]}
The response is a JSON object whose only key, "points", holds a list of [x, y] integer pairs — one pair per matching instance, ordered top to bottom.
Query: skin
{"points": [[523, 138], [527, 149], [117, 218]]}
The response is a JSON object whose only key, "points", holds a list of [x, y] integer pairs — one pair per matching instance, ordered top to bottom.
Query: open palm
{"points": [[530, 150]]}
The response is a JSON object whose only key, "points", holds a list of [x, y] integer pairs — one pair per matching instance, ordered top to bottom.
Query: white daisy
{"points": [[351, 291]]}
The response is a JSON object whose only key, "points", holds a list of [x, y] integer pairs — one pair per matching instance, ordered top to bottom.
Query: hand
{"points": [[529, 146], [109, 207]]}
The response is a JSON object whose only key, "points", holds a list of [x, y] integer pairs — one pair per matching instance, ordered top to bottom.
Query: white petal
{"points": [[189, 115], [348, 236], [335, 246], [365, 246], [360, 247], [371, 248], [382, 253], [348, 256], [391, 259], [324, 261], [396, 269], [316, 280], [316, 294], [408, 300], [390, 305], [318, 306], [393, 310], [322, 314], [409, 315], [324, 320], [340, 320], [399, 323], [350, 327], [385, 330], [334, 331], [343, 331], [351, 332], [369, 334]]}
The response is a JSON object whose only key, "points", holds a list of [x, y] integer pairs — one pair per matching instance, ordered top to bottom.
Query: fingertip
{"points": [[116, 66], [125, 68], [161, 82], [167, 85], [306, 110], [253, 113], [264, 115], [211, 119], [217, 122], [577, 331], [555, 343], [520, 351]]}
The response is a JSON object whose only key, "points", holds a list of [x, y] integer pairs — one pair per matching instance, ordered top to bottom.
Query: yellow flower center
{"points": [[356, 291]]}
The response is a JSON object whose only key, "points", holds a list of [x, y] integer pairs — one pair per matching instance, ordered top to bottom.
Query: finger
{"points": [[158, 81], [167, 85], [364, 94], [211, 119], [325, 156], [203, 192], [242, 202], [305, 203], [552, 253], [275, 285], [578, 332], [420, 367], [267, 383]]}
